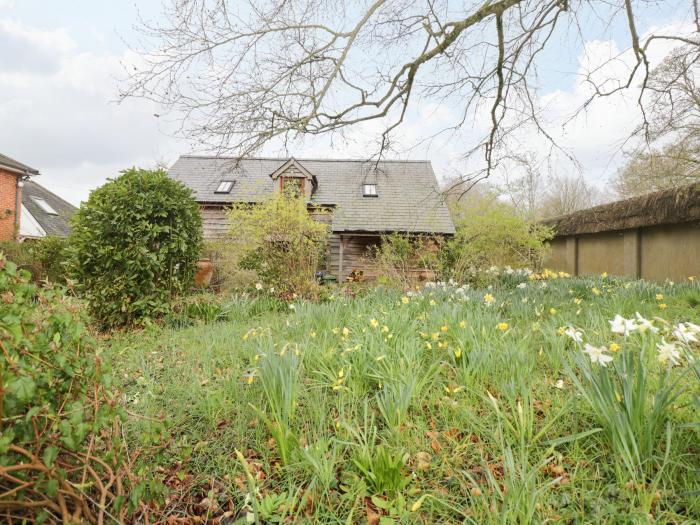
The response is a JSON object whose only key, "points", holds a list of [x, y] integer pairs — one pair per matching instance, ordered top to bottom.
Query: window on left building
{"points": [[44, 206]]}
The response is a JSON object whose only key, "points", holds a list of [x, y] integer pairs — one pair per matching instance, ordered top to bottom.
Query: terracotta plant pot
{"points": [[205, 269]]}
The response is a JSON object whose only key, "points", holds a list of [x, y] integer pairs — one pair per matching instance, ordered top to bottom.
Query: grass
{"points": [[436, 406]]}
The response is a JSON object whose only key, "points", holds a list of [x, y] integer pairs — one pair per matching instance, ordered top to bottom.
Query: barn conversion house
{"points": [[360, 200]]}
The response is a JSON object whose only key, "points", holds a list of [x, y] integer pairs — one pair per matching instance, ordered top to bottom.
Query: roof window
{"points": [[224, 186], [369, 190], [45, 206]]}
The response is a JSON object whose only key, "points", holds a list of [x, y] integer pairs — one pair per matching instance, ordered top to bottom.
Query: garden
{"points": [[500, 394]]}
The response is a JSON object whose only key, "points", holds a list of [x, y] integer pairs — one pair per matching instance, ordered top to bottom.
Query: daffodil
{"points": [[595, 291], [659, 297], [489, 299], [405, 300], [577, 300], [663, 306], [552, 311], [374, 323], [462, 324], [645, 324], [620, 325], [502, 326], [444, 328], [346, 331], [686, 332], [312, 333], [574, 334], [435, 336], [614, 347], [458, 353], [668, 353], [597, 354]]}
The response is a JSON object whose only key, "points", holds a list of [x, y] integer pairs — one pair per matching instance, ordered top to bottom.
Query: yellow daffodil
{"points": [[604, 275], [595, 291], [659, 297], [489, 299], [405, 300], [577, 300], [432, 302], [663, 306], [552, 311], [374, 323], [462, 324], [502, 326], [444, 328], [385, 329], [346, 331], [312, 333], [423, 335], [435, 336], [428, 345], [614, 347], [458, 354], [250, 379]]}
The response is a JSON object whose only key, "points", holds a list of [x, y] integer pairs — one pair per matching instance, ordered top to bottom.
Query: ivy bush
{"points": [[135, 244], [60, 458]]}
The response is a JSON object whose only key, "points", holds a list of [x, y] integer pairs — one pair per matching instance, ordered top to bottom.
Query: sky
{"points": [[61, 61]]}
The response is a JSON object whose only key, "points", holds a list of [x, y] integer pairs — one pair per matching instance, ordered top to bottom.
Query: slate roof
{"points": [[15, 165], [409, 199], [53, 225]]}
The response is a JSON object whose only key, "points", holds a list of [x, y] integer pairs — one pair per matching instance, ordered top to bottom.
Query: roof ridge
{"points": [[302, 159]]}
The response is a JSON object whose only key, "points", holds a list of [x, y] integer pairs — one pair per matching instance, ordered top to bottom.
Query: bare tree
{"points": [[242, 74], [674, 115], [673, 165], [566, 194]]}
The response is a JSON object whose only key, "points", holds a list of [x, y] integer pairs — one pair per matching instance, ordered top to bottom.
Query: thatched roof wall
{"points": [[677, 205]]}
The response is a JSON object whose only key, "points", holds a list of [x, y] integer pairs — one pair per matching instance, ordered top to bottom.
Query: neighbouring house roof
{"points": [[16, 166], [408, 197], [35, 199], [675, 205]]}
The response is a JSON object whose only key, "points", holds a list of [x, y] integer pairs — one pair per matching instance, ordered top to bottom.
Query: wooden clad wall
{"points": [[214, 221], [355, 249]]}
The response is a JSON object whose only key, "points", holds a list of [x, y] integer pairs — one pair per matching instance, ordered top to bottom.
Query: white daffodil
{"points": [[522, 285], [258, 286], [645, 324], [620, 325], [693, 328], [685, 333], [574, 334], [668, 353], [597, 354], [559, 384]]}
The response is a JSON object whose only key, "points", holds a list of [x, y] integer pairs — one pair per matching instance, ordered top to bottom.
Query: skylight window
{"points": [[224, 186], [369, 190], [45, 206]]}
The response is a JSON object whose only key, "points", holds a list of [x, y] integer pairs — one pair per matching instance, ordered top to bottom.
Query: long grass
{"points": [[436, 405]]}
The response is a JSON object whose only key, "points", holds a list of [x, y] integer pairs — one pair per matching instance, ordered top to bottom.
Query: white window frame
{"points": [[225, 186], [369, 190], [44, 205]]}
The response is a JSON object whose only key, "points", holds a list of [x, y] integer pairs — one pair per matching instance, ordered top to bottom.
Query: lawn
{"points": [[443, 405]]}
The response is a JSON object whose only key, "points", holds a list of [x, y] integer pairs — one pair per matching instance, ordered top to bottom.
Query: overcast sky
{"points": [[60, 61]]}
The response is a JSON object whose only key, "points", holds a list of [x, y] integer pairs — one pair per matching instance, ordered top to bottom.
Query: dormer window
{"points": [[224, 186], [369, 190], [44, 206]]}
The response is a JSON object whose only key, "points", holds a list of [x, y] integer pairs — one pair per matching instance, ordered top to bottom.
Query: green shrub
{"points": [[490, 233], [278, 241], [135, 243], [44, 258], [399, 258], [198, 308], [59, 433]]}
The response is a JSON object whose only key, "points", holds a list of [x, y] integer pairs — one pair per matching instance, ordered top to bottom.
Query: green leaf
{"points": [[23, 387], [50, 454]]}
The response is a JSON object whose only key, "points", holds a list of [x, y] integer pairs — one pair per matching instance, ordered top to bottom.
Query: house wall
{"points": [[8, 203], [350, 252], [655, 253]]}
